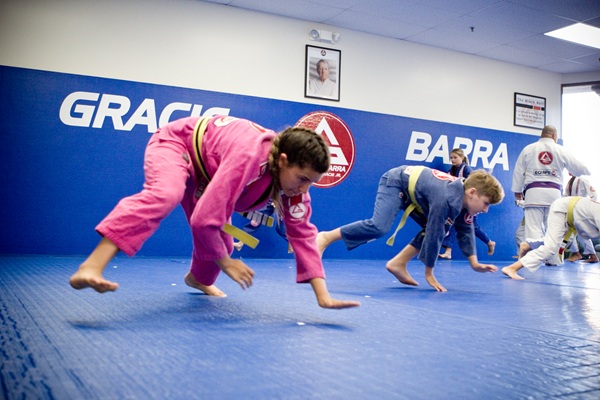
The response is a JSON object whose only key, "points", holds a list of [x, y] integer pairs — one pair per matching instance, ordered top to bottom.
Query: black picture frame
{"points": [[314, 87], [529, 111]]}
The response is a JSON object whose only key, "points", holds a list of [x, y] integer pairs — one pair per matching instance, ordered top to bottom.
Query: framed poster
{"points": [[322, 73], [530, 111]]}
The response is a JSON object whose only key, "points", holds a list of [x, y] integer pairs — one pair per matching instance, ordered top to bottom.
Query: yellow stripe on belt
{"points": [[412, 183], [571, 226]]}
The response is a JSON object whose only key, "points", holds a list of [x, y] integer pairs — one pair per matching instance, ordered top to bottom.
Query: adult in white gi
{"points": [[323, 86], [538, 178], [579, 186], [586, 220]]}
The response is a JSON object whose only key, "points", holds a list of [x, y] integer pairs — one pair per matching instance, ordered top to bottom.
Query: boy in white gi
{"points": [[579, 186], [442, 200], [585, 219]]}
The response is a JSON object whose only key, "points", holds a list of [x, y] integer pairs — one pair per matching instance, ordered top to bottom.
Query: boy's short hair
{"points": [[486, 185]]}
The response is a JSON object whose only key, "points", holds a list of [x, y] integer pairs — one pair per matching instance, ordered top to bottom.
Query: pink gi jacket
{"points": [[235, 154]]}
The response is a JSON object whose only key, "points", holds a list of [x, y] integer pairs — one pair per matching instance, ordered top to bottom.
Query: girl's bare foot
{"points": [[491, 247], [447, 254], [400, 272], [89, 274], [512, 274], [89, 278], [434, 283], [211, 290]]}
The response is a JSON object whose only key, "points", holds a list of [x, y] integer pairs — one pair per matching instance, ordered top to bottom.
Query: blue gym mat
{"points": [[488, 337]]}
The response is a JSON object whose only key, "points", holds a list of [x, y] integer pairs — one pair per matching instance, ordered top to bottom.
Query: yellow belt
{"points": [[412, 183], [571, 226], [237, 233]]}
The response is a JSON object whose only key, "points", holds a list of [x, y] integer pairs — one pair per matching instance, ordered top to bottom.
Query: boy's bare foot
{"points": [[491, 247], [446, 256], [574, 257], [593, 258], [400, 272], [512, 274], [89, 278], [211, 290]]}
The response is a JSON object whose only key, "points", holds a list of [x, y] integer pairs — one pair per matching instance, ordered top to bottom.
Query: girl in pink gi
{"points": [[246, 165]]}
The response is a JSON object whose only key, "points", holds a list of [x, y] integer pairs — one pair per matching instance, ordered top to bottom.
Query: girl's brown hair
{"points": [[303, 147], [460, 152]]}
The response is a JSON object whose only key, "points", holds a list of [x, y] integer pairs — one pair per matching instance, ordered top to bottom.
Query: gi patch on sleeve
{"points": [[443, 176], [297, 207], [298, 211]]}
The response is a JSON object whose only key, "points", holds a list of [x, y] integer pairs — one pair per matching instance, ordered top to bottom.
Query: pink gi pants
{"points": [[170, 179]]}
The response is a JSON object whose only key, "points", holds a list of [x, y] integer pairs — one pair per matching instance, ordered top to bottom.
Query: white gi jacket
{"points": [[538, 173], [579, 186], [586, 218]]}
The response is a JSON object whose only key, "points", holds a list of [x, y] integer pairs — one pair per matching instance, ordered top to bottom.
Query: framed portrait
{"points": [[322, 73], [530, 111]]}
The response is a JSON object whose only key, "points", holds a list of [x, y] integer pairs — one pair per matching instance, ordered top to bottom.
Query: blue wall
{"points": [[63, 171]]}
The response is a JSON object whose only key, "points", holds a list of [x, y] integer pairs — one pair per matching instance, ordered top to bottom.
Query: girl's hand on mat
{"points": [[484, 268], [237, 270], [325, 300]]}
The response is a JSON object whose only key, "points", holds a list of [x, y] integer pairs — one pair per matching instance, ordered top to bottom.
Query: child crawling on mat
{"points": [[214, 166], [440, 201], [585, 220]]}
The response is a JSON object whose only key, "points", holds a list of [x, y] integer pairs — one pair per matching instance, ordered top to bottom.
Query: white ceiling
{"points": [[505, 30]]}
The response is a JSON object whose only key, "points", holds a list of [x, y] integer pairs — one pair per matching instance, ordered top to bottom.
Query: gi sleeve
{"points": [[573, 164], [518, 178], [217, 204], [435, 231], [465, 233], [302, 235]]}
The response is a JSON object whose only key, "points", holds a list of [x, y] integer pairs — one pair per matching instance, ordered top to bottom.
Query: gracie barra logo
{"points": [[341, 145], [545, 157], [443, 175], [297, 207], [298, 211], [468, 218]]}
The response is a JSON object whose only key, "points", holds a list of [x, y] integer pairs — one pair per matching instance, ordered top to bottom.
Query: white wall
{"points": [[208, 46]]}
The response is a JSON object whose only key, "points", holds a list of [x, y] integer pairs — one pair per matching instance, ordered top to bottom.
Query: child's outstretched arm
{"points": [[477, 266], [325, 300]]}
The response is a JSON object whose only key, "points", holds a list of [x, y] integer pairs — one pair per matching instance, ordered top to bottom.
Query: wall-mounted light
{"points": [[321, 35]]}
